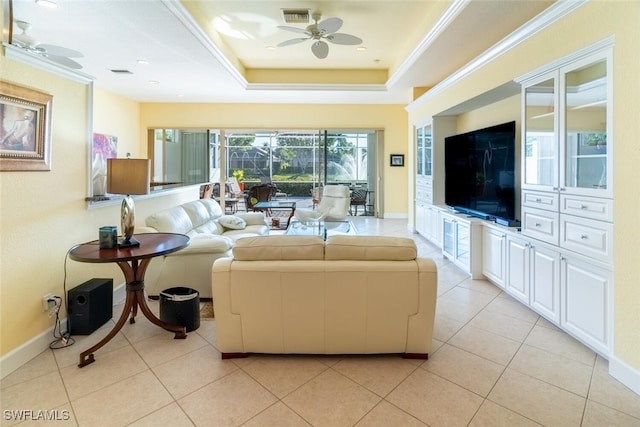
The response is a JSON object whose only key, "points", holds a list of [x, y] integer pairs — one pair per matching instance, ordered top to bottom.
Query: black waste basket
{"points": [[180, 306]]}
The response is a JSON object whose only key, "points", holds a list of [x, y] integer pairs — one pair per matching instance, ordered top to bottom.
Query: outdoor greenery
{"points": [[296, 157]]}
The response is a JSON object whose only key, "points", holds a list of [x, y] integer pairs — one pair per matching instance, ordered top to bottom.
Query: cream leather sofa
{"points": [[202, 221], [301, 295]]}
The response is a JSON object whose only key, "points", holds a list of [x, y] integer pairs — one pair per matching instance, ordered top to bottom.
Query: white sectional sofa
{"points": [[211, 237], [302, 295]]}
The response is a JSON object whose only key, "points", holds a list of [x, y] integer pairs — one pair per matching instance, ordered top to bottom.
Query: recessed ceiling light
{"points": [[47, 3], [271, 48], [361, 48], [142, 61], [154, 82]]}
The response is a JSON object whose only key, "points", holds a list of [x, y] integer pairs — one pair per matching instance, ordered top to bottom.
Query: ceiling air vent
{"points": [[296, 16], [121, 71]]}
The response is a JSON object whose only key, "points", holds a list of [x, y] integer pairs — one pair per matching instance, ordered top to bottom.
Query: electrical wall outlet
{"points": [[48, 302]]}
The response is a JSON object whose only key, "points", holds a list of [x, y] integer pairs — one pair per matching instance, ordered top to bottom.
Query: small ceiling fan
{"points": [[319, 32], [58, 54]]}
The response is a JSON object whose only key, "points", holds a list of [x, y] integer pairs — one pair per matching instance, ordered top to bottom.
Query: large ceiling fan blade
{"points": [[330, 25], [294, 29], [341, 38], [292, 41], [320, 49], [60, 51], [62, 60]]}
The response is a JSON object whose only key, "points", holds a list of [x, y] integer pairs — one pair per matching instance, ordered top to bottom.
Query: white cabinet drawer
{"points": [[546, 201], [588, 207], [540, 224], [587, 237]]}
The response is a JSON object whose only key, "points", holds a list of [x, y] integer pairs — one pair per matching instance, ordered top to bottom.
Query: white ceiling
{"points": [[195, 59]]}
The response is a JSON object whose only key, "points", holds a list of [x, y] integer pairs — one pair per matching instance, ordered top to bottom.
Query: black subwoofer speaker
{"points": [[90, 305]]}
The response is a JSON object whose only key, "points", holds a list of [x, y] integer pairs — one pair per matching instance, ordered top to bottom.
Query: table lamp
{"points": [[128, 176]]}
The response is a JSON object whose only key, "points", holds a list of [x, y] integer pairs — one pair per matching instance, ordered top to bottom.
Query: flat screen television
{"points": [[480, 172]]}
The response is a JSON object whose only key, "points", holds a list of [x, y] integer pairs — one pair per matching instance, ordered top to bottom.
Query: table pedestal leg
{"points": [[293, 211], [135, 298]]}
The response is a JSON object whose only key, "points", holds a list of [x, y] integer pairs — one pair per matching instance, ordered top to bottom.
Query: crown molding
{"points": [[180, 12], [549, 16], [443, 23], [318, 87]]}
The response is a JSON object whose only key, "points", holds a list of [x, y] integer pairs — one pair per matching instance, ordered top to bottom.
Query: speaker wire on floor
{"points": [[62, 338]]}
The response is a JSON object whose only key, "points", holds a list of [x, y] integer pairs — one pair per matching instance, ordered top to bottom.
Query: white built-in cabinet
{"points": [[429, 181], [567, 193], [461, 242], [494, 260], [560, 263], [518, 274], [534, 276], [586, 293]]}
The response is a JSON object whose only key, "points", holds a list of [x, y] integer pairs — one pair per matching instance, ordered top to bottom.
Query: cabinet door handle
{"points": [[538, 200], [583, 206], [537, 224], [584, 236]]}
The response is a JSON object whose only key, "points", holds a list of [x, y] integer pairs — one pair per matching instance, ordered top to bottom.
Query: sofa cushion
{"points": [[202, 211], [172, 220], [232, 222], [206, 244], [265, 248], [370, 248]]}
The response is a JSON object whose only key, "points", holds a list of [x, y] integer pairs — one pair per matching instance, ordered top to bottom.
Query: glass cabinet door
{"points": [[540, 137], [585, 146], [428, 150], [419, 151]]}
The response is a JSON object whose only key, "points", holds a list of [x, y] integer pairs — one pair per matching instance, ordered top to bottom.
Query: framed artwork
{"points": [[25, 129], [397, 160]]}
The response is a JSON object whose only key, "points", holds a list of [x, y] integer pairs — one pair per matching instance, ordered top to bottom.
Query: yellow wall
{"points": [[591, 23], [120, 117], [390, 118], [43, 214]]}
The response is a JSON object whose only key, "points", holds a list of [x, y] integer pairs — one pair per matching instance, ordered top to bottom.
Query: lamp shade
{"points": [[128, 176]]}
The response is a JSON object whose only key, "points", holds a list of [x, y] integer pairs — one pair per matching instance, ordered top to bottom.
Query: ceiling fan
{"points": [[319, 32], [58, 54]]}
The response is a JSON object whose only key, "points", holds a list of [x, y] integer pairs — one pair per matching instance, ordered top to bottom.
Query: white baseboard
{"points": [[395, 215], [36, 345], [624, 373]]}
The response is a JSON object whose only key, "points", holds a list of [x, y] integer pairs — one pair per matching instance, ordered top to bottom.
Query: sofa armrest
{"points": [[252, 218]]}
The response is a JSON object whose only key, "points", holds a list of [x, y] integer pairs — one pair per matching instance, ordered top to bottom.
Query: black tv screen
{"points": [[480, 171]]}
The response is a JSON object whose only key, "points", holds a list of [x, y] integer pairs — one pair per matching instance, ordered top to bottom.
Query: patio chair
{"points": [[259, 193], [358, 198], [334, 205]]}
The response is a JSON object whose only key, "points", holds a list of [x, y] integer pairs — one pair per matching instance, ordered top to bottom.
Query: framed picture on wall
{"points": [[25, 129], [397, 160]]}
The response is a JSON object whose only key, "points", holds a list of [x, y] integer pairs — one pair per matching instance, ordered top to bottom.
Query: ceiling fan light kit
{"points": [[319, 32]]}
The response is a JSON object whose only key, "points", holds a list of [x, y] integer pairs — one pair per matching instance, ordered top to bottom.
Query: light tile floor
{"points": [[495, 363]]}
